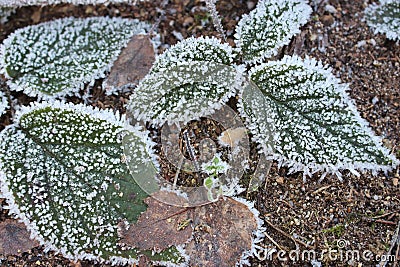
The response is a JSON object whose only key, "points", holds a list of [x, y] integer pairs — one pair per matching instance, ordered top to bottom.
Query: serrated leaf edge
{"points": [[293, 30], [78, 85], [115, 119], [312, 168]]}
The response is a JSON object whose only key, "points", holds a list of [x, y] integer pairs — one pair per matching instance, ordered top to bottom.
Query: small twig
{"points": [[216, 18], [190, 151], [177, 172], [321, 189], [287, 235], [273, 241]]}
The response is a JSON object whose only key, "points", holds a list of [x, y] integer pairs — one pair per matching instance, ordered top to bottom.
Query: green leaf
{"points": [[384, 18], [269, 27], [200, 49], [54, 59], [191, 79], [3, 103], [313, 123], [64, 175]]}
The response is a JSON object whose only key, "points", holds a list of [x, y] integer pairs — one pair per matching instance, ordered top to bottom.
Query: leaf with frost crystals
{"points": [[384, 18], [271, 25], [200, 49], [54, 59], [191, 79], [3, 103], [317, 127], [63, 172]]}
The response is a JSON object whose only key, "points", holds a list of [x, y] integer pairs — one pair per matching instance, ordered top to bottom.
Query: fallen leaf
{"points": [[133, 63], [233, 136], [159, 227], [220, 232], [223, 232], [15, 238]]}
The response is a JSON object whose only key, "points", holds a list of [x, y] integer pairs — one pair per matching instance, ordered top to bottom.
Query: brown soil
{"points": [[362, 211]]}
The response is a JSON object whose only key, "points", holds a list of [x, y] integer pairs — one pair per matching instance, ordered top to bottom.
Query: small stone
{"points": [[250, 5], [331, 9], [327, 20], [188, 21], [372, 42], [361, 43], [279, 180], [395, 181], [376, 197]]}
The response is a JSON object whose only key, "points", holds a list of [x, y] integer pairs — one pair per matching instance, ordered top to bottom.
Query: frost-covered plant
{"points": [[384, 18], [270, 26], [54, 59], [180, 87], [3, 103], [297, 111], [214, 168], [62, 172]]}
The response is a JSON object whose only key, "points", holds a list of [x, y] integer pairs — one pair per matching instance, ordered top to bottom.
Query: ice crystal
{"points": [[385, 18], [271, 25], [57, 58], [190, 80], [3, 103], [316, 125], [62, 172]]}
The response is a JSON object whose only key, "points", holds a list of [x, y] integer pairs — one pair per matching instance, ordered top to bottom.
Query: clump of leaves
{"points": [[384, 18], [54, 59], [298, 112], [62, 172], [224, 233]]}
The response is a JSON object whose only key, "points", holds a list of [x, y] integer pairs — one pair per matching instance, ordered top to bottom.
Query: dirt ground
{"points": [[358, 214]]}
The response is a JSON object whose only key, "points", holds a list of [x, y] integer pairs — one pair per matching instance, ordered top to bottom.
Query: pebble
{"points": [[250, 5], [331, 9], [327, 20], [361, 43], [395, 181]]}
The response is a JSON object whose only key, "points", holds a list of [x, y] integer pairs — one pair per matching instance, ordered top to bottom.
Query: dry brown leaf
{"points": [[132, 64], [232, 137], [159, 227], [223, 232], [14, 238]]}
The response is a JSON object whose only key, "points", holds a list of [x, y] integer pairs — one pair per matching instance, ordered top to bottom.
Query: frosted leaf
{"points": [[384, 18], [271, 25], [195, 49], [57, 58], [190, 80], [3, 103], [316, 125], [63, 173]]}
